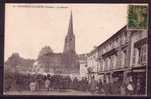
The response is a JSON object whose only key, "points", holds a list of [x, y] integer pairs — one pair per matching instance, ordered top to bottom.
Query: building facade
{"points": [[114, 55], [122, 56], [139, 58], [93, 63], [83, 65]]}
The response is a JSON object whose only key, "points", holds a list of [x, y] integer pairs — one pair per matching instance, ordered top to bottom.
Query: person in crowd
{"points": [[27, 82], [38, 82], [43, 82], [54, 82], [69, 82], [47, 83], [51, 83], [61, 83], [65, 83], [75, 83], [78, 84], [84, 84], [87, 84], [93, 85], [32, 86], [115, 86], [100, 87], [106, 87], [130, 87], [138, 87], [123, 89]]}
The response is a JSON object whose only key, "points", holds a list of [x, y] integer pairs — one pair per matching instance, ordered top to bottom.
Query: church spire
{"points": [[70, 29], [70, 38]]}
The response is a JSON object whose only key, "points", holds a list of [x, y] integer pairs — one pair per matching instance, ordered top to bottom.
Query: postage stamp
{"points": [[137, 16]]}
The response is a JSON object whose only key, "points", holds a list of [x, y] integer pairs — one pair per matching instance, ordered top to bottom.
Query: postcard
{"points": [[76, 49]]}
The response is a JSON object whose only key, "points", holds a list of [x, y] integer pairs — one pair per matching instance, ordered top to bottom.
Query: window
{"points": [[124, 37], [140, 54], [143, 54], [134, 55], [124, 58], [118, 60], [114, 61], [111, 62], [106, 64], [103, 65]]}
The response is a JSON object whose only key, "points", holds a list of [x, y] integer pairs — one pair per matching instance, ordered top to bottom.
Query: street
{"points": [[67, 92]]}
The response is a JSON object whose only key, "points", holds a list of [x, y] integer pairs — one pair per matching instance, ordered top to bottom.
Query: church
{"points": [[59, 63]]}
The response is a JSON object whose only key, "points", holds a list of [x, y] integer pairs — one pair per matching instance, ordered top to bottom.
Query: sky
{"points": [[30, 27]]}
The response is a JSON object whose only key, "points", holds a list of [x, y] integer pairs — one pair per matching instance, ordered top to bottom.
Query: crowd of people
{"points": [[58, 83], [63, 83]]}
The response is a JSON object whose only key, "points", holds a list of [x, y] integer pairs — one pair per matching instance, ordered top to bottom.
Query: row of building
{"points": [[123, 55]]}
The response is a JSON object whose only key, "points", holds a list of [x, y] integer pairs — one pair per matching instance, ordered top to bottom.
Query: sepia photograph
{"points": [[76, 49]]}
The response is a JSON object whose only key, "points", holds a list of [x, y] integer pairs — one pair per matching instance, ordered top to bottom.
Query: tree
{"points": [[45, 50]]}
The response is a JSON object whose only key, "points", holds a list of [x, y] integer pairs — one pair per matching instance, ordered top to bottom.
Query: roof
{"points": [[114, 35]]}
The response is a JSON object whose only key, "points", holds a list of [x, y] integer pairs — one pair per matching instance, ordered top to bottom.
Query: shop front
{"points": [[119, 75], [139, 79]]}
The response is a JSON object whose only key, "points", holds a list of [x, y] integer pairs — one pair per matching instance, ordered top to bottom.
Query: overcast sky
{"points": [[28, 28]]}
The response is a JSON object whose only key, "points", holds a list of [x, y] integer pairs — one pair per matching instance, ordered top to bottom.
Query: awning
{"points": [[141, 42], [111, 52], [139, 70]]}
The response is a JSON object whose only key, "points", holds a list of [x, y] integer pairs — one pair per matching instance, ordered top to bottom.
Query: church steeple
{"points": [[70, 29], [70, 38]]}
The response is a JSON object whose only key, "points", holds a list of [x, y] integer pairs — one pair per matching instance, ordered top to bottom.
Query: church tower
{"points": [[69, 46], [69, 53]]}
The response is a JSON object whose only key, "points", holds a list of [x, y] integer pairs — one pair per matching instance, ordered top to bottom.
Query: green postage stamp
{"points": [[137, 16]]}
